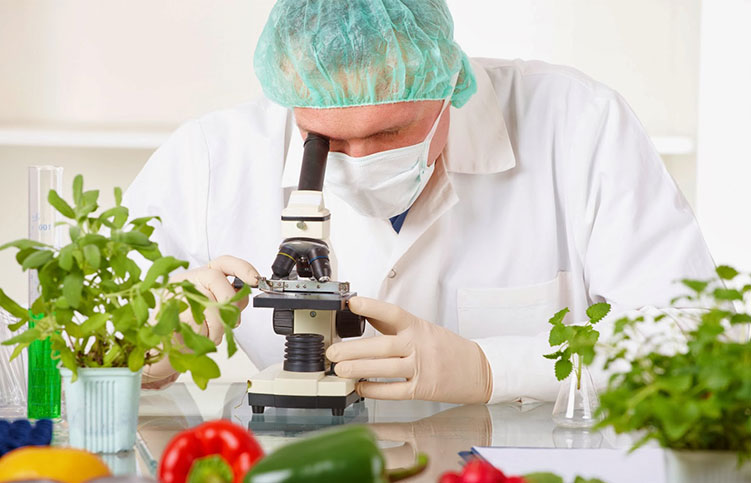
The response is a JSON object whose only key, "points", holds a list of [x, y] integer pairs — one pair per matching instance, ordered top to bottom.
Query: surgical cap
{"points": [[341, 53]]}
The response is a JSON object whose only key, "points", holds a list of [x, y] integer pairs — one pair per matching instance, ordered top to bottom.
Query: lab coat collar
{"points": [[478, 141]]}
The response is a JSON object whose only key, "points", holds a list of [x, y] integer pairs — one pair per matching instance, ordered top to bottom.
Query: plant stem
{"points": [[578, 373]]}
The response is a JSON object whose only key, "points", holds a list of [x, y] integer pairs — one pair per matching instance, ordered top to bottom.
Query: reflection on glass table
{"points": [[403, 428]]}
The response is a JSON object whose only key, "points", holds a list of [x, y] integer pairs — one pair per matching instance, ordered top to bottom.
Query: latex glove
{"points": [[211, 280], [438, 365]]}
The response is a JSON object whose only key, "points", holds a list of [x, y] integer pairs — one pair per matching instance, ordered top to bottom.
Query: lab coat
{"points": [[549, 194]]}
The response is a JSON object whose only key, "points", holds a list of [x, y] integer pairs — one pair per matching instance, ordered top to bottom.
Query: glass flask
{"points": [[577, 399]]}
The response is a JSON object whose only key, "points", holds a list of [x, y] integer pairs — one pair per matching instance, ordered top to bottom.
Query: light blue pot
{"points": [[102, 408]]}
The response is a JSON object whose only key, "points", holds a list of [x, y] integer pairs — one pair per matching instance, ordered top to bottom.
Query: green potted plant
{"points": [[106, 318], [577, 397], [694, 397]]}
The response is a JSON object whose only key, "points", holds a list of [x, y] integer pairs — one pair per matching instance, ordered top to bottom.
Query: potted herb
{"points": [[106, 318], [577, 398], [695, 398]]}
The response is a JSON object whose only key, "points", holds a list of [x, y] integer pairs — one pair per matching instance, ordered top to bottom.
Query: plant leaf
{"points": [[78, 189], [118, 196], [60, 204], [23, 243], [92, 255], [65, 258], [37, 259], [161, 268], [726, 273], [697, 286], [72, 287], [241, 294], [727, 294], [12, 307], [140, 309], [597, 312], [558, 317], [168, 319], [94, 323], [559, 334], [147, 336], [25, 337], [199, 344], [231, 345], [553, 355], [135, 359], [563, 368], [542, 478]]}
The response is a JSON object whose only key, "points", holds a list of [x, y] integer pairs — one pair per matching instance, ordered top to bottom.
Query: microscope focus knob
{"points": [[284, 321], [349, 324]]}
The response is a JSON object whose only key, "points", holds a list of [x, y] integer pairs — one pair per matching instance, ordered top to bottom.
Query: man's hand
{"points": [[437, 364]]}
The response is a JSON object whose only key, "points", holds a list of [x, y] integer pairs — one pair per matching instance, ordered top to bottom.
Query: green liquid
{"points": [[44, 381]]}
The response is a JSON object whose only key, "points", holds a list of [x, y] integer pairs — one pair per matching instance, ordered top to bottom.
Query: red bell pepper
{"points": [[216, 451], [479, 471]]}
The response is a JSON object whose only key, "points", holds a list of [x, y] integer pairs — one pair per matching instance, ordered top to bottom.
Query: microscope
{"points": [[310, 306]]}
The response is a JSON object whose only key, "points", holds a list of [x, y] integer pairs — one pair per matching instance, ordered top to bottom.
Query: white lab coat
{"points": [[549, 194]]}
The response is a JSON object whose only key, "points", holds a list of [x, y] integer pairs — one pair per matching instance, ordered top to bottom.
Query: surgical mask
{"points": [[384, 184]]}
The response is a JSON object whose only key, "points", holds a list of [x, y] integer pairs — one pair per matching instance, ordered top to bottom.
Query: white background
{"points": [[112, 77]]}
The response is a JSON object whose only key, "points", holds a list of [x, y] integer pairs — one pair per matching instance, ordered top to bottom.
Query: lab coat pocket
{"points": [[488, 312]]}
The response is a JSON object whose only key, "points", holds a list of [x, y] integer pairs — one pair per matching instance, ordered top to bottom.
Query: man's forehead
{"points": [[364, 121]]}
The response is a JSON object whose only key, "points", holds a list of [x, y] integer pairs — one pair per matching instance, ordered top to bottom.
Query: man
{"points": [[470, 199]]}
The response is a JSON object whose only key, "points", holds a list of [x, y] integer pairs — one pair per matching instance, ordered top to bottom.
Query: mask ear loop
{"points": [[444, 106]]}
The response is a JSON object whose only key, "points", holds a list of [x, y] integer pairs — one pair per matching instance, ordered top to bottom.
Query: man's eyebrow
{"points": [[387, 130]]}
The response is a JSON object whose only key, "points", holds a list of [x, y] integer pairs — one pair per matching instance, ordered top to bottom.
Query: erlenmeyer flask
{"points": [[577, 400]]}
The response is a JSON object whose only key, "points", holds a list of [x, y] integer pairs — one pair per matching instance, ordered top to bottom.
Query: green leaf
{"points": [[78, 189], [118, 196], [90, 197], [60, 204], [118, 215], [74, 232], [136, 238], [23, 244], [92, 255], [65, 258], [37, 259], [118, 263], [161, 268], [726, 273], [697, 286], [72, 288], [241, 294], [727, 294], [12, 307], [140, 309], [196, 310], [597, 312], [230, 315], [558, 317], [740, 318], [168, 319], [94, 323], [73, 330], [559, 334], [25, 337], [147, 337], [199, 344], [231, 346], [111, 355], [553, 355], [135, 359], [178, 361], [203, 368], [563, 368], [542, 478]]}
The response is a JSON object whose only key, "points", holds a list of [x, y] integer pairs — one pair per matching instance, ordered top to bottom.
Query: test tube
{"points": [[44, 376]]}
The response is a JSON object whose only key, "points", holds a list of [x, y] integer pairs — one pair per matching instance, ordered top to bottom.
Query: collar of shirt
{"points": [[478, 141]]}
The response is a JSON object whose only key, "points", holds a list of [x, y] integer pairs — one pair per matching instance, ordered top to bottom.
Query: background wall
{"points": [[95, 85]]}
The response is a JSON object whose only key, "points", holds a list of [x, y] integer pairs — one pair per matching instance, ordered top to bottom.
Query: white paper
{"points": [[610, 465]]}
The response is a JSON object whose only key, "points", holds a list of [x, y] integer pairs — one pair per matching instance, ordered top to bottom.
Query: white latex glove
{"points": [[211, 280], [438, 365]]}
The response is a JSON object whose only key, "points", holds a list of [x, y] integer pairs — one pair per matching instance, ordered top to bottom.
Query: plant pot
{"points": [[102, 408], [687, 466]]}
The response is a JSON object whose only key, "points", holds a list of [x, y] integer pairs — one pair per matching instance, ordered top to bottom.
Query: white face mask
{"points": [[384, 184]]}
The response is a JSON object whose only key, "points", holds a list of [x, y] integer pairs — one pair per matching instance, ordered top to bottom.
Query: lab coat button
{"points": [[392, 273]]}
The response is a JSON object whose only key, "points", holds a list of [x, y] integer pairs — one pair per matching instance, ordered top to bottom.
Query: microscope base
{"points": [[275, 387], [337, 404]]}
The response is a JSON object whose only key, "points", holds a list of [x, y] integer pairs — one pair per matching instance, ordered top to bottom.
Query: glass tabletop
{"points": [[403, 428]]}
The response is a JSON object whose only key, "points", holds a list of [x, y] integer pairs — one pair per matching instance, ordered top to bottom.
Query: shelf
{"points": [[77, 137], [118, 138], [674, 145]]}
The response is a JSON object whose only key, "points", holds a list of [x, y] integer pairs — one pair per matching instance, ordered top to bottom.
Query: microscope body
{"points": [[310, 307]]}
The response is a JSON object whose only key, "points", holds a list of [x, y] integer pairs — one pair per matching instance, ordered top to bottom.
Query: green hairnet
{"points": [[339, 53]]}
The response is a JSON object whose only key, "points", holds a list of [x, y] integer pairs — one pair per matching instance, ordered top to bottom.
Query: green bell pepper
{"points": [[346, 454]]}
